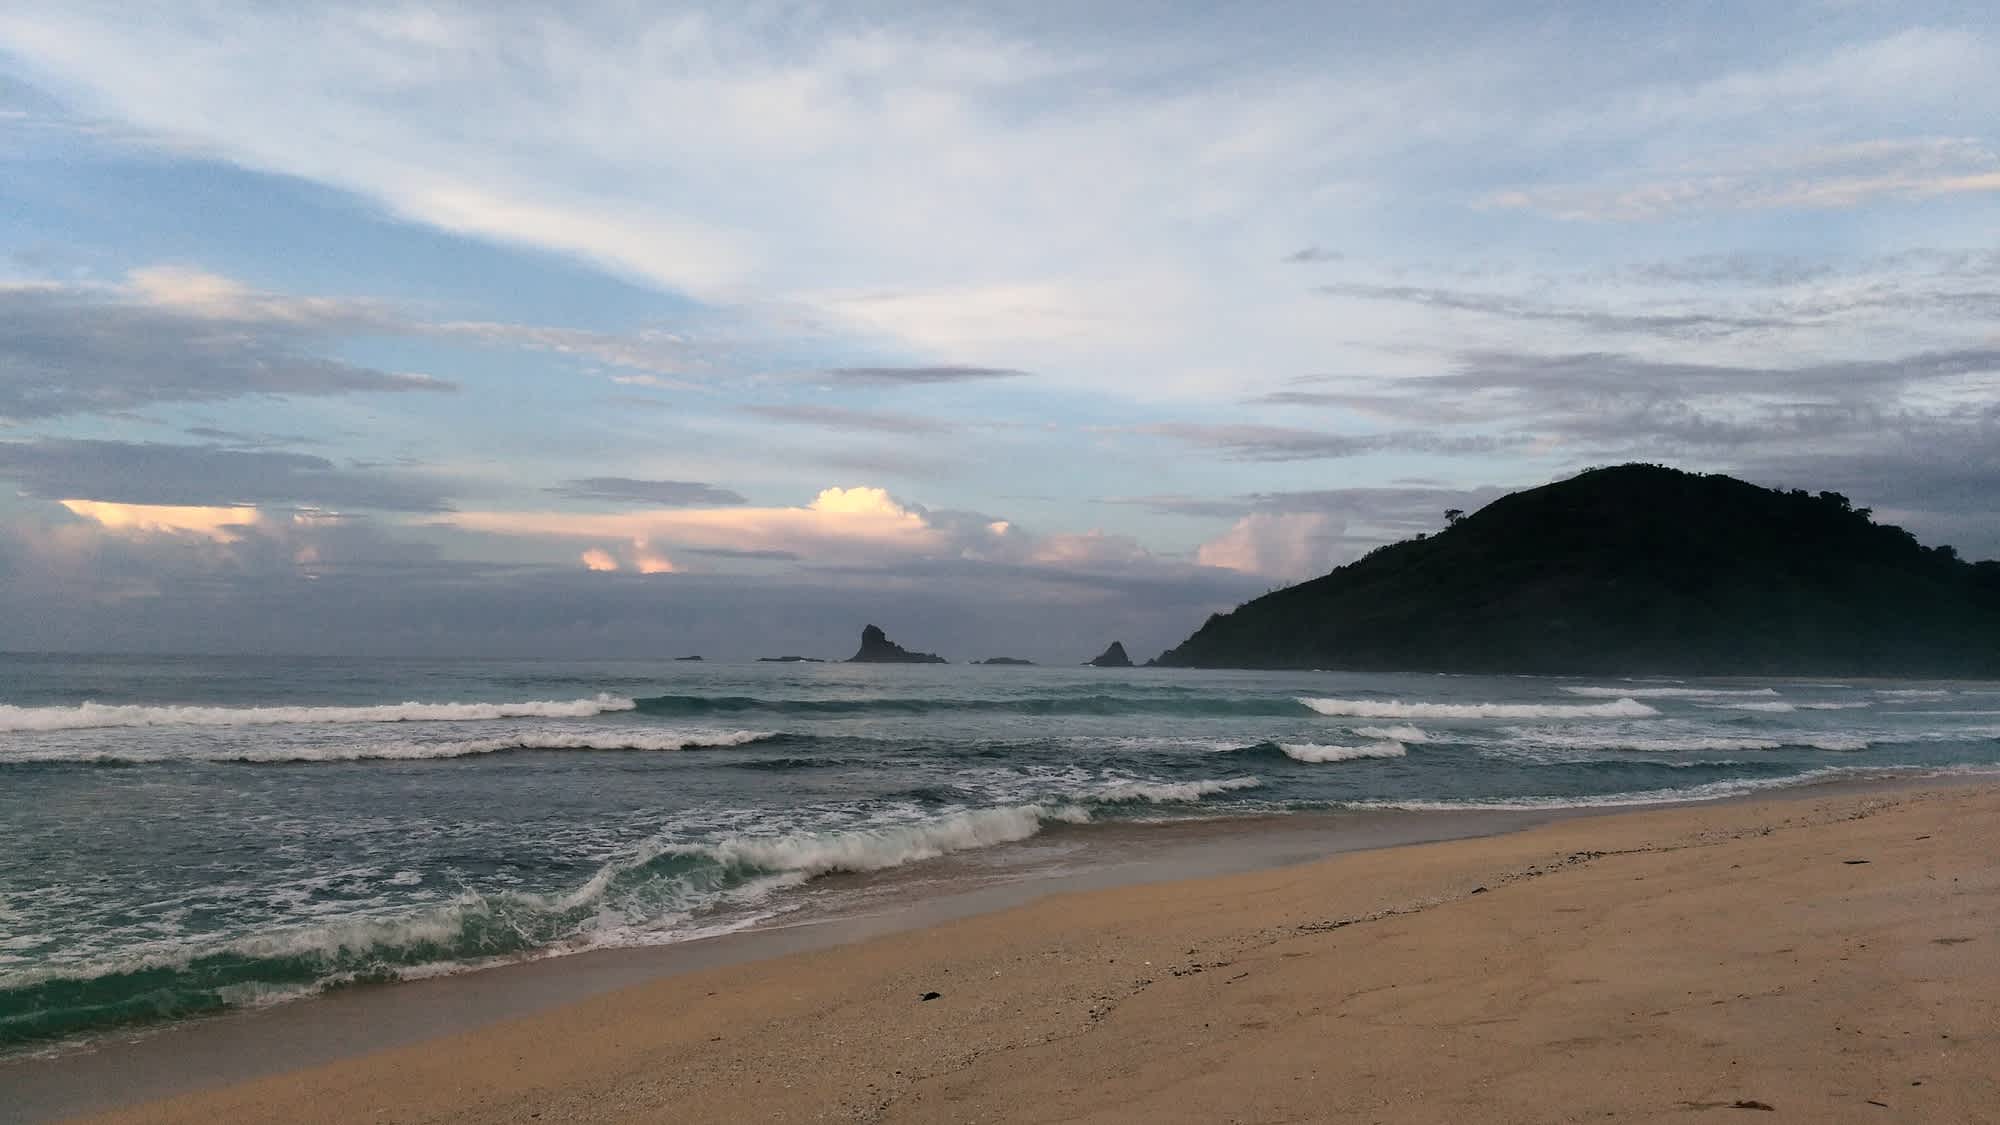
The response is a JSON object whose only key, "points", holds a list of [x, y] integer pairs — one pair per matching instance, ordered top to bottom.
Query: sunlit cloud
{"points": [[839, 523], [224, 525]]}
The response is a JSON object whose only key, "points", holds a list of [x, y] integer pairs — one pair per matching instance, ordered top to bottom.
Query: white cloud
{"points": [[1788, 177], [1287, 545]]}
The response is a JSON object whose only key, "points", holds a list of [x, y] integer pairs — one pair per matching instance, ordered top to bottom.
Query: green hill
{"points": [[1633, 569]]}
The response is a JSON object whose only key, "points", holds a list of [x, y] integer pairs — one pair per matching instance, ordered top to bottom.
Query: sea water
{"points": [[187, 835]]}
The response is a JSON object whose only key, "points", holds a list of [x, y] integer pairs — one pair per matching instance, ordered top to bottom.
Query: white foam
{"points": [[1664, 692], [1913, 693], [1774, 708], [1376, 709], [86, 715], [1400, 733], [607, 740], [1689, 744], [1316, 752], [1710, 791], [1168, 792], [874, 849]]}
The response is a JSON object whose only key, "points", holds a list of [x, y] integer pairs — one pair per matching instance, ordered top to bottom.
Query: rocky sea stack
{"points": [[877, 648], [1113, 657]]}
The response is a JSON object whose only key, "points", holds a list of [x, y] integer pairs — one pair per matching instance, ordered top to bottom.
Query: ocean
{"points": [[194, 834]]}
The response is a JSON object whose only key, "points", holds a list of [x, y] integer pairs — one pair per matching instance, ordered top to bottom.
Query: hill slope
{"points": [[1633, 569]]}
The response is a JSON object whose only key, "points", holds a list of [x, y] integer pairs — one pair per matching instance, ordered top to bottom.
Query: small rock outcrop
{"points": [[877, 648], [1113, 657], [686, 658], [790, 660], [1005, 660]]}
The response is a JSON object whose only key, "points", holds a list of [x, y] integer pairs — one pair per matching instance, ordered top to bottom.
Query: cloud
{"points": [[1827, 176], [1312, 254], [1595, 320], [178, 338], [914, 376], [838, 418], [1250, 442], [206, 475], [660, 493], [839, 524], [224, 525], [1288, 545], [597, 558]]}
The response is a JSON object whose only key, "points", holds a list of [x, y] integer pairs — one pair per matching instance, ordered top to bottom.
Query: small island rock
{"points": [[877, 648], [1113, 657]]}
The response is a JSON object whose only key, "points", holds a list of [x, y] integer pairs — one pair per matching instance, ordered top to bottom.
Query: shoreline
{"points": [[201, 1059]]}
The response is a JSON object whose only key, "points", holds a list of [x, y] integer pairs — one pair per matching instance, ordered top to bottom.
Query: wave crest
{"points": [[1396, 709], [87, 715], [1315, 752]]}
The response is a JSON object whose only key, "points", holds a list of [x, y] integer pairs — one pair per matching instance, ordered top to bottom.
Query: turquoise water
{"points": [[187, 835]]}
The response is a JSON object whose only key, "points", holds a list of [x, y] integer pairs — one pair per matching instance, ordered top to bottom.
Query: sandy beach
{"points": [[1829, 956]]}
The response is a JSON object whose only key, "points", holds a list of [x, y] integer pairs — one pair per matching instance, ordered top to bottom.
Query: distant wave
{"points": [[1629, 692], [1053, 703], [1781, 708], [1374, 709], [87, 715], [610, 740], [1690, 744]]}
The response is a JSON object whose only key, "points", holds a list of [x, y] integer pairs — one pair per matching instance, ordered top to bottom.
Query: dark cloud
{"points": [[1315, 254], [1741, 269], [1597, 320], [65, 351], [947, 373], [1625, 375], [1382, 404], [837, 418], [241, 439], [1243, 442], [205, 475], [1939, 481], [660, 493], [1373, 514]]}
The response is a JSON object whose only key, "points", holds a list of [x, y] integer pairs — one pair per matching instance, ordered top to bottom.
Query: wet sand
{"points": [[1640, 966]]}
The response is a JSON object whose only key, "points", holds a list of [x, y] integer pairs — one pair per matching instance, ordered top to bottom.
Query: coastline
{"points": [[1016, 976]]}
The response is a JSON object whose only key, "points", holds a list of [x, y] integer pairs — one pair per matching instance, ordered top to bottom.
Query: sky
{"points": [[622, 329]]}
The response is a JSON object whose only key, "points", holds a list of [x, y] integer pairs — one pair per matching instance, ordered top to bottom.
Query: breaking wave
{"points": [[1665, 692], [1376, 709], [86, 715], [1400, 733], [609, 740], [1315, 752], [1168, 792], [650, 897]]}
